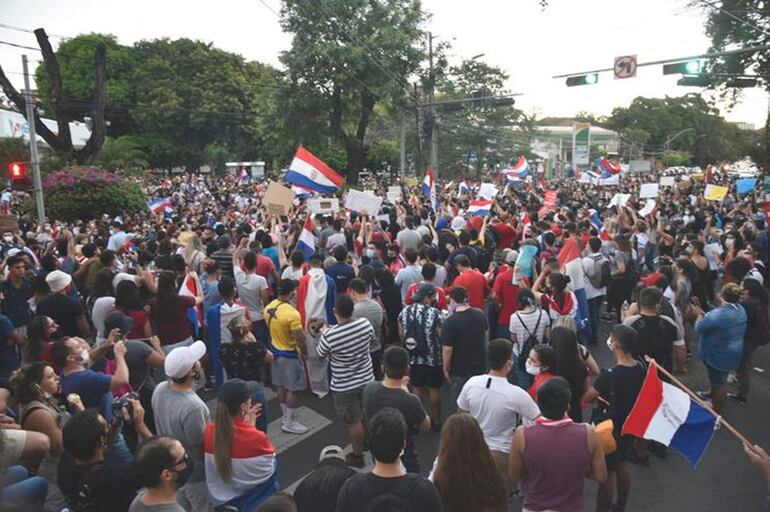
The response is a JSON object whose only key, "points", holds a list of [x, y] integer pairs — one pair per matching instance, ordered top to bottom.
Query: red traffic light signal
{"points": [[17, 171]]}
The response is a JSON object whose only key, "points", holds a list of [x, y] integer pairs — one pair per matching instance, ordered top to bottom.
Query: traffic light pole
{"points": [[434, 131], [38, 182]]}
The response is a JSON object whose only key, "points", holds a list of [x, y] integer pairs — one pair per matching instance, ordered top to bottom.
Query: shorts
{"points": [[289, 373], [422, 375], [717, 378], [349, 406], [625, 445], [13, 446]]}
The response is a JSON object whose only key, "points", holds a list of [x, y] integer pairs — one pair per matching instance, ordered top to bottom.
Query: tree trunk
{"points": [[356, 153]]}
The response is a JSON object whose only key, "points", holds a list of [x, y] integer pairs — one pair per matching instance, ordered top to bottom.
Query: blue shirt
{"points": [[272, 253], [342, 273], [406, 277], [211, 294], [15, 305], [721, 336], [10, 359], [93, 388]]}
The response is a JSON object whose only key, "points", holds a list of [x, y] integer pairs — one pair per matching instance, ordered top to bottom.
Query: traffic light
{"points": [[688, 67], [589, 79], [694, 81], [741, 83], [17, 171]]}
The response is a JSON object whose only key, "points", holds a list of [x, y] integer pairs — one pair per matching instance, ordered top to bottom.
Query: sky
{"points": [[530, 44]]}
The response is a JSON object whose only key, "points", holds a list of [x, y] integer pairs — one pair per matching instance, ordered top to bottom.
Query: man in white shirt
{"points": [[117, 236], [252, 290], [594, 292], [498, 405]]}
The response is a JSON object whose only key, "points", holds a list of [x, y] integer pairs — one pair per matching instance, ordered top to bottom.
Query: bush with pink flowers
{"points": [[86, 193]]}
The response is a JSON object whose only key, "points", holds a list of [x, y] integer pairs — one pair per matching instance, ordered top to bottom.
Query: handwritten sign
{"points": [[667, 181], [648, 190], [488, 191], [714, 192], [394, 193], [278, 198], [620, 199], [358, 201], [324, 205], [649, 207]]}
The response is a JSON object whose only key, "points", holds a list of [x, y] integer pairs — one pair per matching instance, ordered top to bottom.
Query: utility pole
{"points": [[432, 99], [418, 141], [33, 144], [402, 161]]}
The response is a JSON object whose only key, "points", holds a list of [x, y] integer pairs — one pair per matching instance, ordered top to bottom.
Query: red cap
{"points": [[652, 279]]}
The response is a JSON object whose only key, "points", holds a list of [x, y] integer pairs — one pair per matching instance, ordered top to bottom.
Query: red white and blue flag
{"points": [[606, 167], [521, 168], [308, 171], [244, 175], [429, 188], [464, 188], [302, 192], [160, 205], [480, 207], [597, 223], [307, 240], [571, 264], [191, 287], [666, 414]]}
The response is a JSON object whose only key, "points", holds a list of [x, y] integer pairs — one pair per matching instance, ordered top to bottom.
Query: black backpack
{"points": [[602, 272], [416, 331], [529, 342], [395, 499]]}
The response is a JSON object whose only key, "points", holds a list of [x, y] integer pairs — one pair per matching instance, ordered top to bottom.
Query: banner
{"points": [[581, 143], [745, 185], [548, 203]]}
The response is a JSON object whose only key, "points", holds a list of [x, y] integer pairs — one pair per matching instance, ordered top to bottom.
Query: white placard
{"points": [[667, 181], [648, 190], [488, 191], [394, 193], [620, 199], [358, 201], [324, 205], [649, 206], [383, 218]]}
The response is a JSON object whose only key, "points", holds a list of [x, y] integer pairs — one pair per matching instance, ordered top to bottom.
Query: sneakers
{"points": [[731, 378], [704, 395], [738, 398], [294, 427], [355, 460]]}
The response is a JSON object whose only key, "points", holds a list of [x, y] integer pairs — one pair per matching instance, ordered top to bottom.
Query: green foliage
{"points": [[121, 154], [676, 158], [85, 193]]}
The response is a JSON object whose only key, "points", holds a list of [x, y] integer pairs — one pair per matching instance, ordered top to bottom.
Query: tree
{"points": [[353, 53], [60, 141], [121, 154]]}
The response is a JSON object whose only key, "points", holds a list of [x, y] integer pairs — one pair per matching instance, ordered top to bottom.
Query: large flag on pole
{"points": [[308, 171], [429, 188], [666, 414]]}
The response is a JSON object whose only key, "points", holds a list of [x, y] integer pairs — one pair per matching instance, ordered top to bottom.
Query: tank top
{"points": [[556, 457], [48, 468]]}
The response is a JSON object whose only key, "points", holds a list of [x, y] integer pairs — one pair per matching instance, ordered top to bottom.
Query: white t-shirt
{"points": [[292, 273], [250, 288], [102, 307], [530, 321], [498, 406]]}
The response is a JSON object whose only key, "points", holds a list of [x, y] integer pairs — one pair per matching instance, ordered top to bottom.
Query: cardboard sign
{"points": [[411, 181], [667, 181], [648, 190], [488, 191], [714, 192], [394, 193], [278, 199], [620, 199], [358, 201], [324, 205], [649, 207], [9, 224]]}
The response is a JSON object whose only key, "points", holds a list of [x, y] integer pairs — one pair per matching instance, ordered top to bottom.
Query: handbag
{"points": [[601, 418]]}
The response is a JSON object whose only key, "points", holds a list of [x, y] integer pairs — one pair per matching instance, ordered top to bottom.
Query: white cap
{"points": [[458, 223], [423, 230], [58, 280], [180, 361]]}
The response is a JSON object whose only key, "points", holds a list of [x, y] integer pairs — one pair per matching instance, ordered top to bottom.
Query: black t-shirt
{"points": [[65, 311], [465, 332], [655, 338], [243, 360], [620, 386], [376, 397], [112, 486], [362, 488]]}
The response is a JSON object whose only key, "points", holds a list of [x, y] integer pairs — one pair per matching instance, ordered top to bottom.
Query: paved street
{"points": [[724, 480]]}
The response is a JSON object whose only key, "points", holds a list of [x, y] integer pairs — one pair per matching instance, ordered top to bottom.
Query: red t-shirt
{"points": [[506, 233], [264, 266], [473, 281], [507, 293], [441, 302], [140, 318], [176, 327], [540, 379]]}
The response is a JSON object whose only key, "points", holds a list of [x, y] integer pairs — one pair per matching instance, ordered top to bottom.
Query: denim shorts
{"points": [[717, 378]]}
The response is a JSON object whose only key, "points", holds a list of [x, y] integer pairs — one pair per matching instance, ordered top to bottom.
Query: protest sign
{"points": [[667, 181], [745, 185], [648, 190], [488, 191], [714, 192], [394, 193], [278, 198], [620, 199], [361, 202], [324, 205], [649, 207], [383, 218]]}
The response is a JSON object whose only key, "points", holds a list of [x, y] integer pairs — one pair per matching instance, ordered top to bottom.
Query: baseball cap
{"points": [[458, 223], [511, 257], [652, 279], [58, 280], [286, 287], [423, 291], [120, 320], [181, 360], [332, 452]]}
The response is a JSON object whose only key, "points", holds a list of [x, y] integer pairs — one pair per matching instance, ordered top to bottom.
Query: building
{"points": [[14, 125], [553, 143]]}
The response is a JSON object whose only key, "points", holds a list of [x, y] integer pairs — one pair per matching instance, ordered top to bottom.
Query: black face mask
{"points": [[184, 475]]}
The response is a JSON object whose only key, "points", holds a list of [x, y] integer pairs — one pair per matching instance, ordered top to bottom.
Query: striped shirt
{"points": [[347, 346]]}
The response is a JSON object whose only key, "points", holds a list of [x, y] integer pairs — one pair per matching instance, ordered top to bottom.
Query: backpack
{"points": [[600, 277], [415, 339], [529, 342], [82, 499], [394, 499]]}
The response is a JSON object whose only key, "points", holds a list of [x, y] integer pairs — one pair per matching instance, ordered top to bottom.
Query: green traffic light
{"points": [[692, 66], [591, 79]]}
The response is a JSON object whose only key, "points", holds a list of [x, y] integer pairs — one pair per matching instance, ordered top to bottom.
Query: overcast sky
{"points": [[530, 44]]}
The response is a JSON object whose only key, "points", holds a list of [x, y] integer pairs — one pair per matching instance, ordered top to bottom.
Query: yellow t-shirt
{"points": [[281, 317]]}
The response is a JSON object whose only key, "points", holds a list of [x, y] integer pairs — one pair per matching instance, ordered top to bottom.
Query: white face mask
{"points": [[8, 239], [370, 253], [609, 344], [84, 357], [532, 369]]}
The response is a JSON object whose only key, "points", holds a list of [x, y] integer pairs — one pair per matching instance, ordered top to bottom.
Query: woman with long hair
{"points": [[193, 254], [703, 286], [553, 295], [390, 297], [754, 299], [128, 300], [168, 312], [37, 346], [571, 366], [34, 388], [240, 459], [465, 474]]}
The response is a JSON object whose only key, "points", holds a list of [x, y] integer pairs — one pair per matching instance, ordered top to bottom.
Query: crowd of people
{"points": [[114, 330]]}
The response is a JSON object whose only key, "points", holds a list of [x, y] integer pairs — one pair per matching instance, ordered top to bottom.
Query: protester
{"points": [[253, 290], [365, 307], [464, 337], [540, 365], [161, 468], [318, 491]]}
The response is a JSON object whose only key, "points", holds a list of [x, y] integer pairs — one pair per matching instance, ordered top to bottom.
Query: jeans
{"points": [[594, 305], [377, 363], [744, 371], [17, 487]]}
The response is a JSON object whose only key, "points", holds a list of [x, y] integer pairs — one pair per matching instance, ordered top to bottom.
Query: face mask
{"points": [[8, 239], [729, 243], [688, 249], [370, 253], [610, 345], [84, 359], [532, 369], [184, 475]]}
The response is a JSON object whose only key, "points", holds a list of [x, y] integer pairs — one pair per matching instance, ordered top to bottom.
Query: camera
{"points": [[123, 402]]}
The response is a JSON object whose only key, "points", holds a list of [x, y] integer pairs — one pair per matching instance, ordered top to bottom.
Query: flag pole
{"points": [[700, 402]]}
